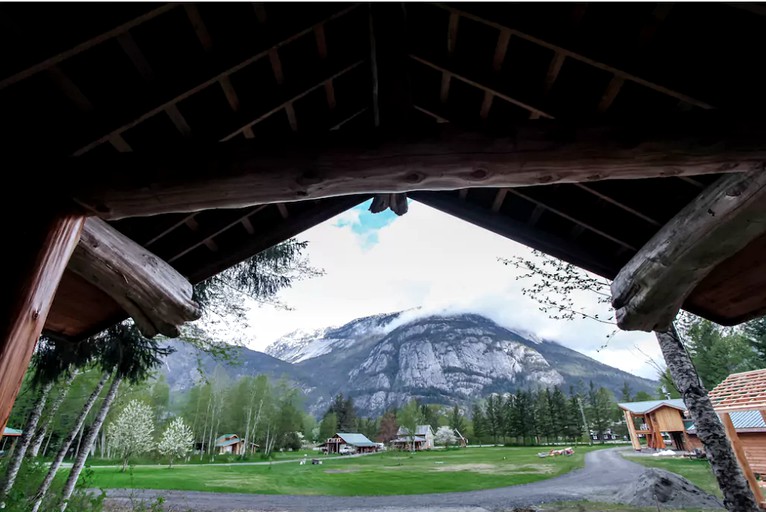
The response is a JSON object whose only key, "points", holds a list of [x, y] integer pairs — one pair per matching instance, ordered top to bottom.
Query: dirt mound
{"points": [[669, 489]]}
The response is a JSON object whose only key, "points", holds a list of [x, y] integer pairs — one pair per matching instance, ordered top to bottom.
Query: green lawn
{"points": [[696, 471], [380, 474]]}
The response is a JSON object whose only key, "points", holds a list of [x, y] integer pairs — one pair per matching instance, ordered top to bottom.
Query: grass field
{"points": [[696, 471], [381, 474]]}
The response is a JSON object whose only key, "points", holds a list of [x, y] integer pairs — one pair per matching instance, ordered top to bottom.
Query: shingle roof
{"points": [[740, 392], [650, 405], [742, 420], [355, 439]]}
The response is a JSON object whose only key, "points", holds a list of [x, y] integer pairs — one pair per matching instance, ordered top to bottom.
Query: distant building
{"points": [[660, 420], [422, 440], [462, 441], [231, 443], [349, 443]]}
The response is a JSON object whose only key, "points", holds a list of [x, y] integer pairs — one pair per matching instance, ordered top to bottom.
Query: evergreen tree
{"points": [[755, 332], [717, 352], [626, 392], [600, 408], [558, 412], [494, 416], [457, 421], [479, 423], [328, 427]]}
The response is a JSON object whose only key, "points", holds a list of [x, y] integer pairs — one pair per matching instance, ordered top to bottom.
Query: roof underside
{"points": [[85, 78]]}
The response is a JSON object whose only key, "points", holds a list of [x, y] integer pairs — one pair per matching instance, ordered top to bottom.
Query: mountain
{"points": [[387, 359]]}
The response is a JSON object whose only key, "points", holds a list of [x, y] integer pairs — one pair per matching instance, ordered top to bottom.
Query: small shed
{"points": [[741, 397], [657, 417], [358, 443]]}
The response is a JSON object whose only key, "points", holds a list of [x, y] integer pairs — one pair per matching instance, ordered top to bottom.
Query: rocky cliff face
{"points": [[386, 360]]}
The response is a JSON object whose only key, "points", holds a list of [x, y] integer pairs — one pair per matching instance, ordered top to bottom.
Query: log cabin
{"points": [[150, 146], [652, 419]]}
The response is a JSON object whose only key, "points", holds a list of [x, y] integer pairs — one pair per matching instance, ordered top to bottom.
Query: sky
{"points": [[426, 259]]}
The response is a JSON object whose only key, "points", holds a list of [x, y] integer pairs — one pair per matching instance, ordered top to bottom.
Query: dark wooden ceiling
{"points": [[107, 78]]}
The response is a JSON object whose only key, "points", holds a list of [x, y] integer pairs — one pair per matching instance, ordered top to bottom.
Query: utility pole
{"points": [[585, 422]]}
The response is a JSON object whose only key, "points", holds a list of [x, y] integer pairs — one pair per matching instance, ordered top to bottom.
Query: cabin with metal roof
{"points": [[150, 146], [653, 418], [349, 442]]}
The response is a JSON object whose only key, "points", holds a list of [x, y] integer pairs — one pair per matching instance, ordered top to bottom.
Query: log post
{"points": [[39, 247], [151, 291], [632, 431], [738, 497]]}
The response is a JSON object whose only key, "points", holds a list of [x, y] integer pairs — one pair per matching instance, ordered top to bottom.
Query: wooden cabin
{"points": [[148, 147], [654, 418], [751, 431], [423, 439], [349, 443], [230, 444]]}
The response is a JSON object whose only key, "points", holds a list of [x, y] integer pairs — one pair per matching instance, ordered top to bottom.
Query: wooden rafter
{"points": [[86, 45], [582, 58], [487, 90], [172, 98], [289, 101], [618, 204], [570, 218]]}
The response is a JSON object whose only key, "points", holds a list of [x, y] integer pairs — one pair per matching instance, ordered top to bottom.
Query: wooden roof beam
{"points": [[85, 45], [582, 58], [221, 72], [240, 175], [618, 204], [649, 291], [157, 297]]}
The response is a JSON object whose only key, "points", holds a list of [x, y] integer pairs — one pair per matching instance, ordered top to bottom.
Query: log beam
{"points": [[240, 175], [42, 245], [650, 289], [157, 297]]}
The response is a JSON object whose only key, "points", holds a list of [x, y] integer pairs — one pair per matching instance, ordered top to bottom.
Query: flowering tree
{"points": [[131, 433], [445, 435], [177, 440]]}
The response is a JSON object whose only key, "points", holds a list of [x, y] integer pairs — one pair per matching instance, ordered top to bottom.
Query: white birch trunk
{"points": [[56, 464]]}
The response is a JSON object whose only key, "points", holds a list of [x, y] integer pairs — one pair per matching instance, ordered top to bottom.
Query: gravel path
{"points": [[605, 472]]}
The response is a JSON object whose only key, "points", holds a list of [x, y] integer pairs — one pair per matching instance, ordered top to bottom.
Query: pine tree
{"points": [[457, 421], [479, 423]]}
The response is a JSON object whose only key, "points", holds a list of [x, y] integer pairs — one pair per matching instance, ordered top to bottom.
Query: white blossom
{"points": [[131, 433], [445, 435], [176, 441]]}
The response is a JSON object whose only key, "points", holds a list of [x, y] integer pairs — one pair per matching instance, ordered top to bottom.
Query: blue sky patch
{"points": [[369, 224]]}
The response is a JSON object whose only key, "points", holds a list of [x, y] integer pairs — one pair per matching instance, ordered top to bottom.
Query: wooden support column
{"points": [[40, 245], [632, 431], [741, 456], [737, 493]]}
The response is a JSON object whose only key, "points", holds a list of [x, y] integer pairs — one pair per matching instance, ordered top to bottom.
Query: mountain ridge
{"points": [[387, 359]]}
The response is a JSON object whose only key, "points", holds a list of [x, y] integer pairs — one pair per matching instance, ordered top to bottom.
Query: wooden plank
{"points": [[454, 21], [203, 35], [503, 38], [85, 45], [136, 56], [582, 58], [554, 68], [445, 87], [70, 89], [611, 92], [172, 98], [288, 102], [486, 104], [348, 119], [439, 119], [179, 121], [224, 176], [499, 199], [617, 204], [282, 207], [572, 219], [722, 220], [298, 222], [43, 241], [157, 297], [632, 431], [736, 444]]}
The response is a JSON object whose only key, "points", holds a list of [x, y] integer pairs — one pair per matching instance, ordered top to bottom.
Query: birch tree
{"points": [[177, 440]]}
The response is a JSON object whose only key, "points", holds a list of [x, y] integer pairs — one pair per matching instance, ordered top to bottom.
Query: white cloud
{"points": [[435, 262]]}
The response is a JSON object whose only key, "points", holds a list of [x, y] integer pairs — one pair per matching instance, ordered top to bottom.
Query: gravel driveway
{"points": [[605, 472]]}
